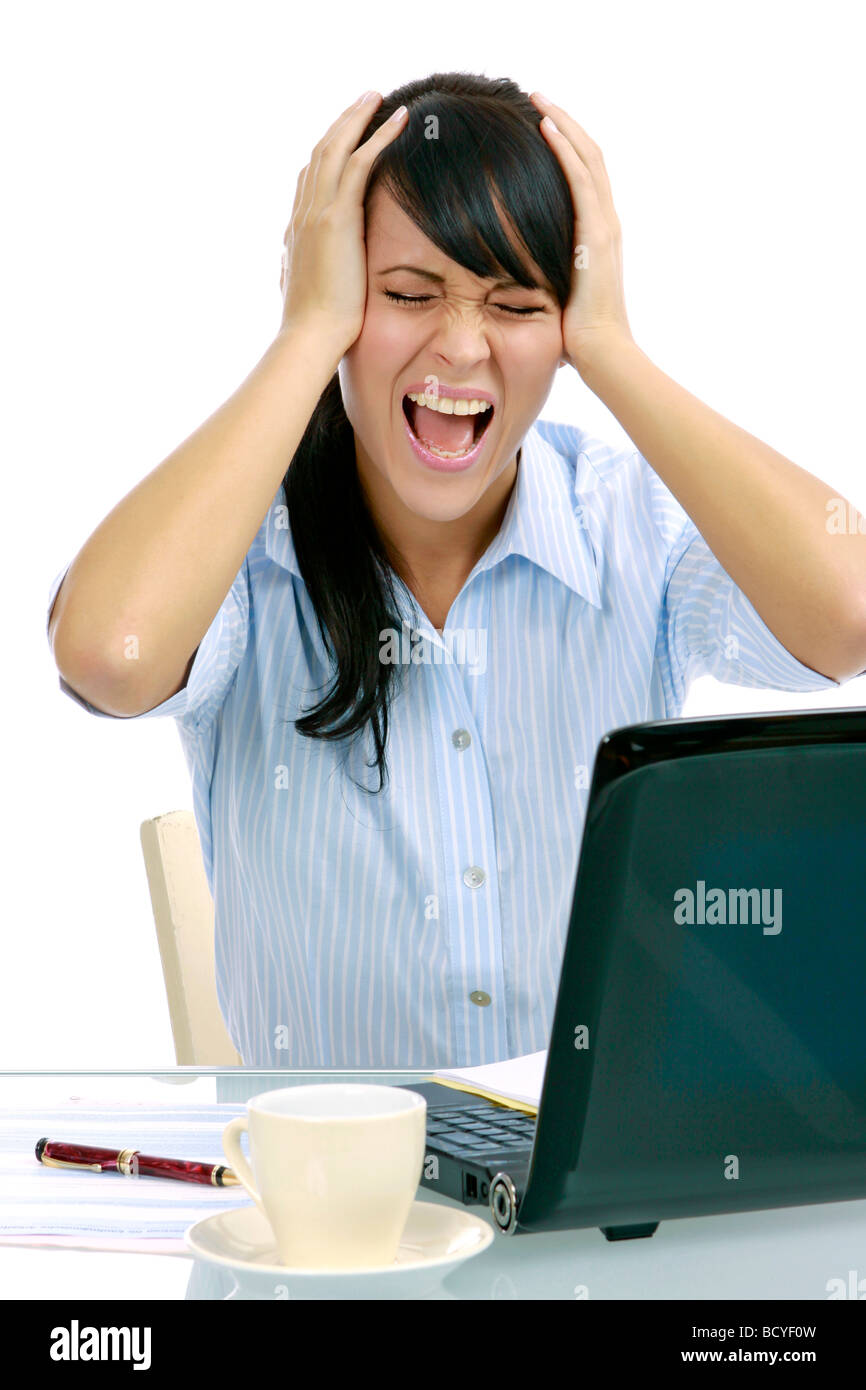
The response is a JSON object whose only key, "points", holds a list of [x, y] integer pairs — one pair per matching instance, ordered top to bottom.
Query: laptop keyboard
{"points": [[469, 1132]]}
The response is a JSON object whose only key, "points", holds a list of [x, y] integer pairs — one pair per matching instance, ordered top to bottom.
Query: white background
{"points": [[151, 154]]}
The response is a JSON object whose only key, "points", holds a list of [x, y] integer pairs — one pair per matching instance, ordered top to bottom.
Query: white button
{"points": [[461, 738], [473, 877], [478, 996]]}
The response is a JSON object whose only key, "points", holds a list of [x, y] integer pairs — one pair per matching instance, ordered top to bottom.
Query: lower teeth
{"points": [[446, 453]]}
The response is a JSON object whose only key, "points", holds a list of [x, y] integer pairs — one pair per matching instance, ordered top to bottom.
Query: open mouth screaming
{"points": [[449, 428]]}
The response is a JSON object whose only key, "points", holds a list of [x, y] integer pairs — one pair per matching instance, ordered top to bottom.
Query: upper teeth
{"points": [[446, 405]]}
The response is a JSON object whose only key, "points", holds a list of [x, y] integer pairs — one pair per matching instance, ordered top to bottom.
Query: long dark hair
{"points": [[485, 138]]}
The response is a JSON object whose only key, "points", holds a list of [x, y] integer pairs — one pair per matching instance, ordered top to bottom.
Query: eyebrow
{"points": [[440, 279]]}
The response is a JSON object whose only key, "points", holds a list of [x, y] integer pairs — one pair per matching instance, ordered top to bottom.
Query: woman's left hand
{"points": [[595, 312]]}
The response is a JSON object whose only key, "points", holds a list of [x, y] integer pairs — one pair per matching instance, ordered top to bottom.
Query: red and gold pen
{"points": [[132, 1163]]}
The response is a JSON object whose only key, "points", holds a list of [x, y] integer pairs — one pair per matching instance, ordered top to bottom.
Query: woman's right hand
{"points": [[324, 274]]}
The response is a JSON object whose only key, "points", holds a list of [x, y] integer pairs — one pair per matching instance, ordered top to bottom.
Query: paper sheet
{"points": [[516, 1082], [107, 1210]]}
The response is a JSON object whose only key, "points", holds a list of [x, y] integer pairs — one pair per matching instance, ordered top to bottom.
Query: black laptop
{"points": [[708, 1048]]}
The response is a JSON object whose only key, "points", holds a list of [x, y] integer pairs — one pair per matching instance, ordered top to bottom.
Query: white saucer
{"points": [[435, 1238]]}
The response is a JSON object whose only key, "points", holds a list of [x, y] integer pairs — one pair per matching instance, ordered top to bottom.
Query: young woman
{"points": [[394, 612]]}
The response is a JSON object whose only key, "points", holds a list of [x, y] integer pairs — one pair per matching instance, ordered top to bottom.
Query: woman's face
{"points": [[463, 334]]}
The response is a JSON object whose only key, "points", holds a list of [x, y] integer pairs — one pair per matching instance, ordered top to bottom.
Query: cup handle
{"points": [[235, 1155]]}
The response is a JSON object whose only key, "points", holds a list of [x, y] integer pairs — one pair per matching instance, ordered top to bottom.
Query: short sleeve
{"points": [[709, 627], [213, 669]]}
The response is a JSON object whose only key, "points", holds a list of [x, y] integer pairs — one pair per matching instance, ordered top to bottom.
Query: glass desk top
{"points": [[784, 1253]]}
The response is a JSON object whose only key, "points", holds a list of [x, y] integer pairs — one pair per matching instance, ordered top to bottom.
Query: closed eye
{"points": [[413, 299]]}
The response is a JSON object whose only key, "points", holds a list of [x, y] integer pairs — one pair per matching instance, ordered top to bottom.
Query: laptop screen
{"points": [[708, 1051]]}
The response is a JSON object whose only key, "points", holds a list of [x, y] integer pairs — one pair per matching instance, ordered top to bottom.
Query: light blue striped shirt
{"points": [[425, 926]]}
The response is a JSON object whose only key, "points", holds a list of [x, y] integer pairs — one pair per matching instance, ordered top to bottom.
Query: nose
{"points": [[460, 339]]}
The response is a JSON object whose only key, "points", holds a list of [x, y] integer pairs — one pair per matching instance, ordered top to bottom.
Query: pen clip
{"points": [[60, 1163]]}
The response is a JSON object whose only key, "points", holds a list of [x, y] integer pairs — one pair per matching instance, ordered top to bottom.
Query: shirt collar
{"points": [[542, 523]]}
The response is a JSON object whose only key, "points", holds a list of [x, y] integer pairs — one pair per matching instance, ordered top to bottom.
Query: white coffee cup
{"points": [[335, 1169]]}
